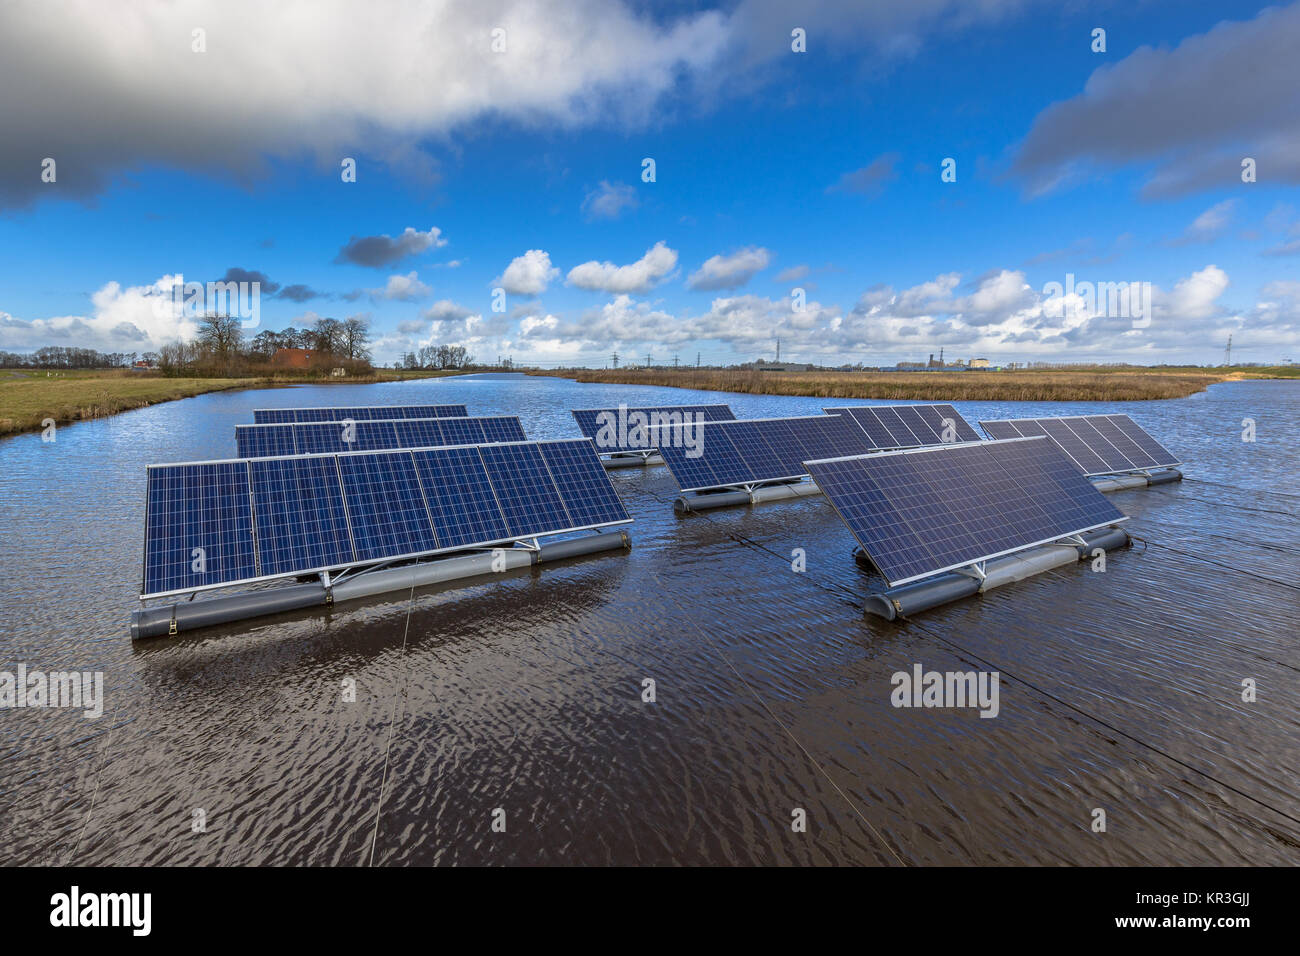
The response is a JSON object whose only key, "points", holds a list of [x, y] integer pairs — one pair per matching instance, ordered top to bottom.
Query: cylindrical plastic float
{"points": [[943, 588], [188, 616]]}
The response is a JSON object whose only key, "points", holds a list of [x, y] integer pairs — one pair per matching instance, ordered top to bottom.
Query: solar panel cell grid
{"points": [[360, 413], [947, 423], [626, 429], [502, 430], [1059, 430], [462, 432], [418, 433], [879, 435], [1109, 435], [258, 442], [1099, 444], [754, 450], [1158, 452], [689, 472], [588, 496], [460, 497], [529, 500], [385, 506], [299, 513], [920, 513], [275, 517], [198, 526]]}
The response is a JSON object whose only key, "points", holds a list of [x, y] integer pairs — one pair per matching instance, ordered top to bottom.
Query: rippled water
{"points": [[1120, 690]]}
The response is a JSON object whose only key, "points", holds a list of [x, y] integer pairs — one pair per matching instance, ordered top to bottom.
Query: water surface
{"points": [[1121, 690]]}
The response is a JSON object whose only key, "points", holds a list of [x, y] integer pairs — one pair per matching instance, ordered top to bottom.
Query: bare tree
{"points": [[221, 335], [355, 335], [328, 336]]}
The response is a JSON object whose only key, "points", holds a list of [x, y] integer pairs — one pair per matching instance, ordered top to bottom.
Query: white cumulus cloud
{"points": [[639, 276]]}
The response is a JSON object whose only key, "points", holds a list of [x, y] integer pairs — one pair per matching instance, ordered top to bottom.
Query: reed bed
{"points": [[1098, 384]]}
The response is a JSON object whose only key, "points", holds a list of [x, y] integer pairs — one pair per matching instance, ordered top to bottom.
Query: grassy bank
{"points": [[1102, 384], [28, 397]]}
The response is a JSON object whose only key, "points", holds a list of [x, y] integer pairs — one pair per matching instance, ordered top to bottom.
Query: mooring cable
{"points": [[1248, 491], [1228, 504], [1218, 564], [1045, 693], [392, 726], [1109, 726], [788, 732]]}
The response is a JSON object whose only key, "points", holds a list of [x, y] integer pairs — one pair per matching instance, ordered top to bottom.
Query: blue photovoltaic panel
{"points": [[360, 413], [274, 416], [908, 426], [502, 428], [615, 429], [1003, 430], [467, 431], [419, 433], [1109, 433], [371, 436], [318, 438], [264, 441], [1098, 444], [751, 445], [787, 449], [752, 451], [690, 472], [584, 487], [528, 497], [461, 500], [197, 506], [385, 506], [934, 509], [305, 514], [301, 522]]}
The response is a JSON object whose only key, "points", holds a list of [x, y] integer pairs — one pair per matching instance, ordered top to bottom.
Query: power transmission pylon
{"points": [[1227, 353]]}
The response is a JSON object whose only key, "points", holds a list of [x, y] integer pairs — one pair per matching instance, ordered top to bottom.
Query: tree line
{"points": [[221, 348], [58, 356], [436, 357]]}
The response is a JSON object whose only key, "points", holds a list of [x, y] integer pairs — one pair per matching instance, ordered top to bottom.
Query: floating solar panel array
{"points": [[360, 413], [908, 426], [626, 429], [262, 441], [1098, 444], [753, 451], [928, 510], [213, 524]]}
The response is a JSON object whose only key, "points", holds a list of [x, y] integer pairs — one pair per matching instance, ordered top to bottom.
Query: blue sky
{"points": [[817, 171]]}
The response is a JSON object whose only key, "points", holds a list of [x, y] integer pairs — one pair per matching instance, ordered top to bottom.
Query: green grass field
{"points": [[28, 397]]}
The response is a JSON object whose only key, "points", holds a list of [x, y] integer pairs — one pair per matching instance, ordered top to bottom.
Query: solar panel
{"points": [[360, 413], [908, 426], [625, 428], [316, 438], [264, 441], [1098, 444], [753, 451], [588, 495], [460, 497], [530, 501], [386, 507], [924, 511], [300, 518], [211, 524], [198, 526]]}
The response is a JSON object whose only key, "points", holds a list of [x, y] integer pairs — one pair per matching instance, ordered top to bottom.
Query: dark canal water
{"points": [[1120, 690]]}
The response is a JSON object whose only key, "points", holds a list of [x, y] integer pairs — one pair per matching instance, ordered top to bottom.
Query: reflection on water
{"points": [[772, 687]]}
